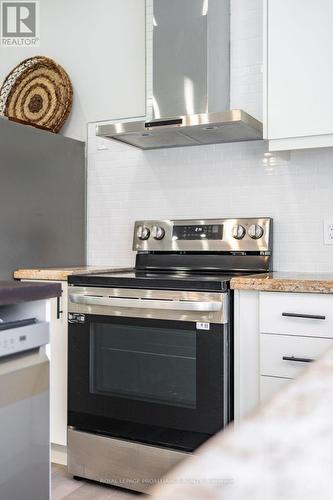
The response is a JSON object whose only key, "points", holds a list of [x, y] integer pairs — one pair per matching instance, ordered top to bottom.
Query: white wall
{"points": [[101, 45], [215, 181]]}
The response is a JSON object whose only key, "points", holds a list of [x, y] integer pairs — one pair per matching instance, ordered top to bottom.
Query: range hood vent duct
{"points": [[188, 90]]}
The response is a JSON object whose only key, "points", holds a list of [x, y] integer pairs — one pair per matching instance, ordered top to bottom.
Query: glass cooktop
{"points": [[159, 280]]}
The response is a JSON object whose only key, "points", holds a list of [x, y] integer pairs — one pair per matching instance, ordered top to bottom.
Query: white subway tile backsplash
{"points": [[222, 180]]}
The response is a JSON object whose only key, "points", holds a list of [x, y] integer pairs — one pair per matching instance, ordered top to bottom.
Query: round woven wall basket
{"points": [[38, 91]]}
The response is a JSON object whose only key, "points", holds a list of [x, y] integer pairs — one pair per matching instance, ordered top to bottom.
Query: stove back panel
{"points": [[204, 262]]}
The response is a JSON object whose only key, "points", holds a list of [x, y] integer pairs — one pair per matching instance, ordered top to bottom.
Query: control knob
{"points": [[255, 231], [158, 232], [238, 232], [143, 233]]}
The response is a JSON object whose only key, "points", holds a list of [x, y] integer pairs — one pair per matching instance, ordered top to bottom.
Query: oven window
{"points": [[144, 363]]}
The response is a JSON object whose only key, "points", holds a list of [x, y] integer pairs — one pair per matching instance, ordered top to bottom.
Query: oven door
{"points": [[149, 366]]}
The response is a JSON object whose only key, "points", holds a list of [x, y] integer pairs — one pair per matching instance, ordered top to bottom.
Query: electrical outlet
{"points": [[328, 231]]}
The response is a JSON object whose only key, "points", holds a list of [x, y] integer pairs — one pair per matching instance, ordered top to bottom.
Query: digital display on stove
{"points": [[200, 232]]}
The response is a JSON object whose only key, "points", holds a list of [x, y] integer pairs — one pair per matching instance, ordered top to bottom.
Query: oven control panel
{"points": [[197, 232], [230, 235]]}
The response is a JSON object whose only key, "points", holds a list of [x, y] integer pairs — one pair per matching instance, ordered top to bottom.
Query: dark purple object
{"points": [[14, 292]]}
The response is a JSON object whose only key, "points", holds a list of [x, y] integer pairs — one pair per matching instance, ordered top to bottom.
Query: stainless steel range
{"points": [[151, 350]]}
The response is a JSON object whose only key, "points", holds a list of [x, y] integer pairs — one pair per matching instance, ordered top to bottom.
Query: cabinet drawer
{"points": [[296, 314], [273, 348], [270, 385]]}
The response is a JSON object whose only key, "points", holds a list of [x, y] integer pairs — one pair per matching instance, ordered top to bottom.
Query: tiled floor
{"points": [[64, 487]]}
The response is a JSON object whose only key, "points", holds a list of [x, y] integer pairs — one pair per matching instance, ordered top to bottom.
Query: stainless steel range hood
{"points": [[188, 80], [191, 130]]}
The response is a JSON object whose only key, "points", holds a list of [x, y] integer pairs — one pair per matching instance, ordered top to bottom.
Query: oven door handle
{"points": [[170, 305]]}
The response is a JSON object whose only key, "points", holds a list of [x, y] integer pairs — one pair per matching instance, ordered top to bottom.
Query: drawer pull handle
{"points": [[305, 316], [299, 360]]}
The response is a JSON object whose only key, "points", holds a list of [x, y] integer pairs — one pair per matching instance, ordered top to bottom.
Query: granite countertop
{"points": [[61, 273], [285, 282], [12, 292], [282, 451]]}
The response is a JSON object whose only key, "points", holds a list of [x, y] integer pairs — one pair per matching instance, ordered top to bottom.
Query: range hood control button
{"points": [[255, 231], [158, 232], [238, 232], [143, 233]]}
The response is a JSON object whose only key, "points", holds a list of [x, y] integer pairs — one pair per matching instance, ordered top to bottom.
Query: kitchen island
{"points": [[12, 292], [24, 389], [281, 451]]}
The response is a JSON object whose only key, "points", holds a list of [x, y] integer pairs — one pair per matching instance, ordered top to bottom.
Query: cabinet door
{"points": [[300, 71], [302, 314], [288, 355], [58, 369]]}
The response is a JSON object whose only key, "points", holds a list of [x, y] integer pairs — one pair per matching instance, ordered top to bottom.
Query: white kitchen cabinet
{"points": [[299, 74], [57, 316], [293, 328], [263, 336], [246, 352], [58, 369], [271, 385]]}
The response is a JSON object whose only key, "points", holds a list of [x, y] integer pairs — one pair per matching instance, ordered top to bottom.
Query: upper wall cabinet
{"points": [[299, 72]]}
